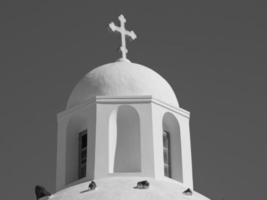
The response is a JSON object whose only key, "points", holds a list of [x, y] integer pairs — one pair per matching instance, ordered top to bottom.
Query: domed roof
{"points": [[122, 78], [123, 188]]}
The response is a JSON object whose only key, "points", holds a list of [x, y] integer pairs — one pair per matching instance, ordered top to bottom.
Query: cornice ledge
{"points": [[124, 100]]}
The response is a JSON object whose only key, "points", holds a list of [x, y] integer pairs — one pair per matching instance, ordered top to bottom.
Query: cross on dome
{"points": [[123, 33]]}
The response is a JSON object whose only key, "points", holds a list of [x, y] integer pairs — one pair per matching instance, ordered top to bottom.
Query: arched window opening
{"points": [[128, 147], [76, 148], [166, 153], [172, 154]]}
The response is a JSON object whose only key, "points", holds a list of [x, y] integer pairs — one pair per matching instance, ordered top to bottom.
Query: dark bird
{"points": [[92, 185], [142, 185], [188, 191], [40, 192]]}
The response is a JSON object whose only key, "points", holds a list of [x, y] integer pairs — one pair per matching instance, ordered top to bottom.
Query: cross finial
{"points": [[123, 33]]}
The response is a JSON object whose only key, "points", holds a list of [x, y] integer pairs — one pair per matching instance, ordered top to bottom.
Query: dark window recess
{"points": [[82, 153], [166, 153]]}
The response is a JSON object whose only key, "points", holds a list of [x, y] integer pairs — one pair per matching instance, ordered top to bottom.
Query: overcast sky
{"points": [[213, 55]]}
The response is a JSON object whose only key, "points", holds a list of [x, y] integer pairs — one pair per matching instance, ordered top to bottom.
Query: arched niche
{"points": [[77, 124], [171, 126], [125, 147]]}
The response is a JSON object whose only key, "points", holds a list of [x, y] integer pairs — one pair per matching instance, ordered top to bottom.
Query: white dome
{"points": [[122, 78], [122, 188]]}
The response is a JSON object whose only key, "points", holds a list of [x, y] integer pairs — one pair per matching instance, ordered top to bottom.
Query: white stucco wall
{"points": [[122, 78], [159, 109], [99, 116], [70, 123], [171, 125], [106, 135], [128, 139], [122, 188]]}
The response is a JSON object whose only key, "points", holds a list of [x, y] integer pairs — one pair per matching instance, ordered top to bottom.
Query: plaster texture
{"points": [[122, 78], [113, 151], [122, 188]]}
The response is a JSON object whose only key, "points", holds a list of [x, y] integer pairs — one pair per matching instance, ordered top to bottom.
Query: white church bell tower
{"points": [[123, 130]]}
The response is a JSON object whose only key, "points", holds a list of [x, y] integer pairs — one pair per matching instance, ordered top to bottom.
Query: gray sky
{"points": [[213, 55]]}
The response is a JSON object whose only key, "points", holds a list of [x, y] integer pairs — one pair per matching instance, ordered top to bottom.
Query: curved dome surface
{"points": [[122, 78], [122, 188]]}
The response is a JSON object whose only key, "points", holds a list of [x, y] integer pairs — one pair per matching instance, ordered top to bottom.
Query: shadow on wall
{"points": [[76, 124], [170, 124], [125, 140]]}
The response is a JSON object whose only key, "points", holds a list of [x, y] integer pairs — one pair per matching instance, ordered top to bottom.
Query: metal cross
{"points": [[123, 33]]}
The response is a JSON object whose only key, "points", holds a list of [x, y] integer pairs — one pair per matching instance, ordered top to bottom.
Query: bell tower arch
{"points": [[117, 121]]}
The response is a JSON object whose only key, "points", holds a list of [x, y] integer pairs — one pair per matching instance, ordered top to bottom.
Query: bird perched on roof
{"points": [[92, 185], [142, 185], [188, 191], [40, 192]]}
